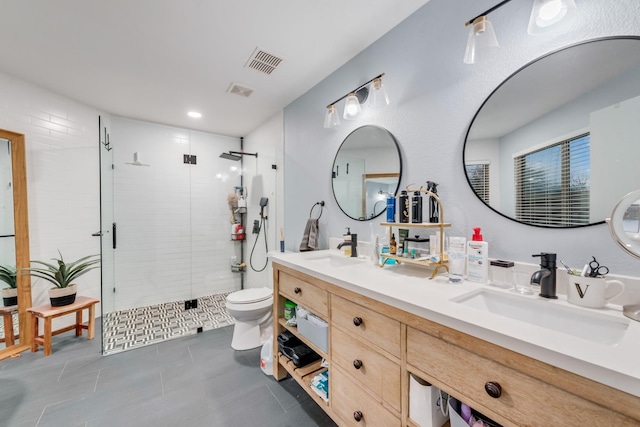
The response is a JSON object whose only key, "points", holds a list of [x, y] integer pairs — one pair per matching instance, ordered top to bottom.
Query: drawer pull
{"points": [[297, 290], [357, 321], [357, 364], [493, 389], [358, 416]]}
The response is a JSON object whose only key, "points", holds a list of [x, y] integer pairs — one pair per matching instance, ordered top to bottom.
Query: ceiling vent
{"points": [[263, 61], [240, 90]]}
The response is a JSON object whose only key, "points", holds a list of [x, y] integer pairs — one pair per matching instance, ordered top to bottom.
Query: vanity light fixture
{"points": [[544, 14], [481, 34], [355, 99]]}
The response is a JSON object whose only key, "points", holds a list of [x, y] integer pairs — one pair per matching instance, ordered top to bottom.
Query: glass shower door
{"points": [[107, 224]]}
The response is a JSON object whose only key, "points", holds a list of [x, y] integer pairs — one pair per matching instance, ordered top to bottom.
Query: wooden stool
{"points": [[47, 312], [7, 319]]}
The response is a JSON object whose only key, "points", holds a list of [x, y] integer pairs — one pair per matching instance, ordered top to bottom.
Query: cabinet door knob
{"points": [[297, 290], [357, 321], [357, 364], [493, 389], [358, 416]]}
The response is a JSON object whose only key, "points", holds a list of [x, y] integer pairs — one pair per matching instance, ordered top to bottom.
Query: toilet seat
{"points": [[250, 296]]}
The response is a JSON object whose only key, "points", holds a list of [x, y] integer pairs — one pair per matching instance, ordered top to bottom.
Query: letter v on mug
{"points": [[592, 292]]}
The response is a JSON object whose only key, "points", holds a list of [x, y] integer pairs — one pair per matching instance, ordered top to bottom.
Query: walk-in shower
{"points": [[170, 272]]}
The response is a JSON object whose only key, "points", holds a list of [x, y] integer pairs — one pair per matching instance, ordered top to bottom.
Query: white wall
{"points": [[435, 96], [614, 162], [62, 176], [264, 181], [173, 220]]}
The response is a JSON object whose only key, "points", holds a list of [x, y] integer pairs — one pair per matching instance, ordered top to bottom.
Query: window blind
{"points": [[478, 175], [553, 184]]}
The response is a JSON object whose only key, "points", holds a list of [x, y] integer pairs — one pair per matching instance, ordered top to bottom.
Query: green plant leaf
{"points": [[63, 274]]}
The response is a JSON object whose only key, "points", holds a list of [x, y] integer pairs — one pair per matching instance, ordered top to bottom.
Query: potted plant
{"points": [[61, 274], [10, 294]]}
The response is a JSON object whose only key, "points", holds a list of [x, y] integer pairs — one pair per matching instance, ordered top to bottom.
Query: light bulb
{"points": [[550, 10], [546, 13], [351, 107]]}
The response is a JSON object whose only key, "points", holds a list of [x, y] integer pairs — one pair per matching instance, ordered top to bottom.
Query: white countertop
{"points": [[409, 288]]}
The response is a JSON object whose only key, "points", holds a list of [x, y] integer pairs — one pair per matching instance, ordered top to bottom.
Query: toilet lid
{"points": [[247, 296]]}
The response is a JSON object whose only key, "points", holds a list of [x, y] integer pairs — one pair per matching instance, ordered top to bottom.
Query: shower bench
{"points": [[47, 313]]}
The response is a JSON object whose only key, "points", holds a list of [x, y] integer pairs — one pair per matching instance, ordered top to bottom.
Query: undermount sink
{"points": [[331, 259], [583, 323]]}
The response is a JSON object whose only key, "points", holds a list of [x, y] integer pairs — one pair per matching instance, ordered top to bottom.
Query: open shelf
{"points": [[415, 224], [422, 262], [294, 331], [304, 375]]}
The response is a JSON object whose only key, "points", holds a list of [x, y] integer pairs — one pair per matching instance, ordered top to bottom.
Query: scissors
{"points": [[595, 269]]}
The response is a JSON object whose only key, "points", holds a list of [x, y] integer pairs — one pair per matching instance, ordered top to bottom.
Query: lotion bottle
{"points": [[477, 258]]}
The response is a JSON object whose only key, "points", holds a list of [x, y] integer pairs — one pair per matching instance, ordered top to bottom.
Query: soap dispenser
{"points": [[347, 239]]}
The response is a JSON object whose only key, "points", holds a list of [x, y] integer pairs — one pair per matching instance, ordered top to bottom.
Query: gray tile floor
{"points": [[193, 381]]}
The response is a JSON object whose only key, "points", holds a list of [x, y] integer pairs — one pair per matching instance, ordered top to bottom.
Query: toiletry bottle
{"points": [[403, 207], [416, 207], [391, 208], [347, 238], [393, 245], [477, 258]]}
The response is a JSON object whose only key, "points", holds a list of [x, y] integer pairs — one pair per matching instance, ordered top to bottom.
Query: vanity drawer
{"points": [[304, 293], [374, 327], [368, 367], [524, 400], [350, 402]]}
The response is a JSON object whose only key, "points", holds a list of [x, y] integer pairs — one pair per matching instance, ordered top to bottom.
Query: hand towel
{"points": [[310, 236]]}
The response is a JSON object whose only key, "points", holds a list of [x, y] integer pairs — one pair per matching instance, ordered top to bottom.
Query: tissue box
{"points": [[315, 330]]}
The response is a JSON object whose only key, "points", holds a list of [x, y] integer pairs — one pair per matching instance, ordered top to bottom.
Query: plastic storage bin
{"points": [[317, 331], [425, 404]]}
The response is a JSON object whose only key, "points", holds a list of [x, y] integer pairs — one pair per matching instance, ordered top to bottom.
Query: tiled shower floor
{"points": [[137, 327]]}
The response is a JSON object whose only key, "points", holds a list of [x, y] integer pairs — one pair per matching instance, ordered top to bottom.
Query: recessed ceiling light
{"points": [[194, 114]]}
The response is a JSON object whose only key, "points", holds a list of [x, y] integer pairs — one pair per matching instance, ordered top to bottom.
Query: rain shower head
{"points": [[236, 155]]}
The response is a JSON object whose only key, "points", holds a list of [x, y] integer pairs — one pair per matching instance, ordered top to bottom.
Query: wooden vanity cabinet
{"points": [[374, 347]]}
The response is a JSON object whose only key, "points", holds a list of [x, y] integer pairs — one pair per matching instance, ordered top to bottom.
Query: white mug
{"points": [[592, 292]]}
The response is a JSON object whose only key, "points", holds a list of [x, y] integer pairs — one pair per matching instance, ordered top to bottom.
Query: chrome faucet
{"points": [[353, 243], [546, 276]]}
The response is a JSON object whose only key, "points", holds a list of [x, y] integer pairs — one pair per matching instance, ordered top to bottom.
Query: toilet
{"points": [[252, 310]]}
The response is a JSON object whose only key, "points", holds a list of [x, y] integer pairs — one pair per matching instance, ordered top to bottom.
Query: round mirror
{"points": [[555, 144], [367, 168]]}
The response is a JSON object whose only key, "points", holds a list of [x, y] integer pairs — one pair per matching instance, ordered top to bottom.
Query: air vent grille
{"points": [[263, 61], [240, 90]]}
